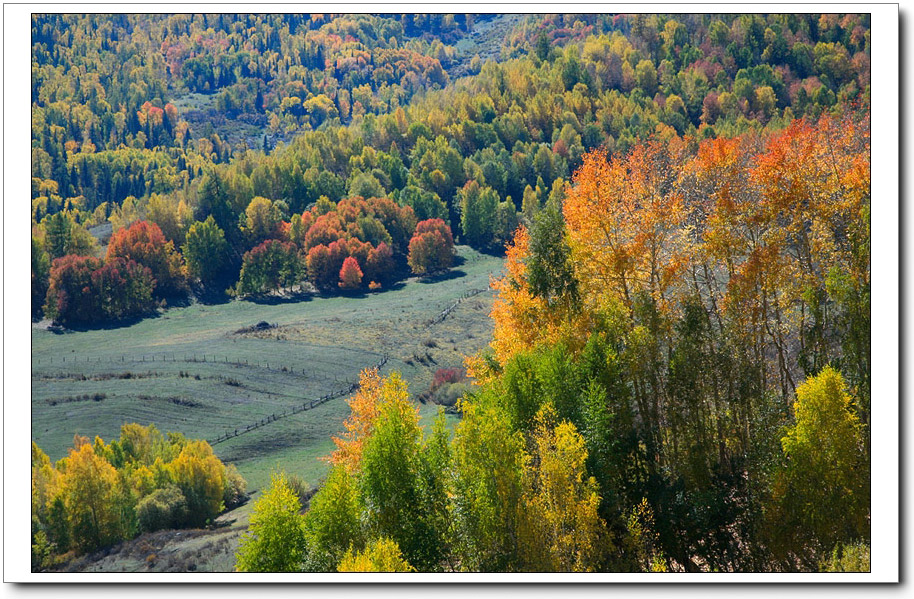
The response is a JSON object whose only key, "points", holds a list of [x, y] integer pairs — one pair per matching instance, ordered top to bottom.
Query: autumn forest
{"points": [[595, 291]]}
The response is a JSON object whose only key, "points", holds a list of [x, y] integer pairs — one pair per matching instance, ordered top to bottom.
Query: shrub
{"points": [[448, 376], [235, 492], [163, 508]]}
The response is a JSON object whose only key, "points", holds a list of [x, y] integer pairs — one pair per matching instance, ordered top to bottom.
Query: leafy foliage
{"points": [[376, 106], [684, 205], [144, 243], [432, 247], [205, 251], [686, 259], [270, 266], [350, 274], [86, 290], [104, 493], [821, 493], [163, 508], [561, 530], [275, 541], [381, 555]]}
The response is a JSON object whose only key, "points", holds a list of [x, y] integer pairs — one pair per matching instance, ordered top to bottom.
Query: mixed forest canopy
{"points": [[305, 107], [679, 377], [679, 380]]}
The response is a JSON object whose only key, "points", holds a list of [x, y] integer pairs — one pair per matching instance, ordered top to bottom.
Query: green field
{"points": [[201, 371]]}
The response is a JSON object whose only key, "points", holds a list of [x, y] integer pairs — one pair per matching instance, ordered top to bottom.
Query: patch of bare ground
{"points": [[190, 550]]}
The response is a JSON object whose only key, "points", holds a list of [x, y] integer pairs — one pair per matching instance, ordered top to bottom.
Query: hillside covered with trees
{"points": [[363, 106], [679, 377], [686, 389]]}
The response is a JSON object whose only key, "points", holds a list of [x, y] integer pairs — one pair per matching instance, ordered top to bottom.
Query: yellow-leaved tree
{"points": [[364, 412], [201, 477], [91, 494], [820, 494], [560, 530], [275, 540], [381, 555]]}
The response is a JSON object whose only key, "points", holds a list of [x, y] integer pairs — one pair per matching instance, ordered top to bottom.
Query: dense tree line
{"points": [[483, 153], [349, 245], [734, 271], [687, 389], [100, 494]]}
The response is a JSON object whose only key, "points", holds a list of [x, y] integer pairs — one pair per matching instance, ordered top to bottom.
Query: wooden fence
{"points": [[444, 313], [307, 405]]}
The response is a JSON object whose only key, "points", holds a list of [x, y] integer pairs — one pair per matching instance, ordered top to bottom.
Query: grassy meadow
{"points": [[204, 370]]}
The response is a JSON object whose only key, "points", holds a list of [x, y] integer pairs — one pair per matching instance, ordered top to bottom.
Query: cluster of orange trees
{"points": [[351, 245], [679, 380], [144, 481]]}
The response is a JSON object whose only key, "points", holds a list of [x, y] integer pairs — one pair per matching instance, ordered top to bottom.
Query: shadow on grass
{"points": [[495, 252], [443, 276], [394, 286], [351, 293], [362, 293], [213, 297], [276, 300], [178, 301], [102, 326]]}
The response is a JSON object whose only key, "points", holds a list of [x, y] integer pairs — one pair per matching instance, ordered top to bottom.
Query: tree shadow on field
{"points": [[495, 252], [443, 276], [351, 293], [361, 293], [213, 297], [276, 300], [178, 301], [102, 326]]}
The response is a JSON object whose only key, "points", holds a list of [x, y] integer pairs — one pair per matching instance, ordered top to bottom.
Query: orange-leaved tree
{"points": [[144, 243], [350, 274], [364, 406]]}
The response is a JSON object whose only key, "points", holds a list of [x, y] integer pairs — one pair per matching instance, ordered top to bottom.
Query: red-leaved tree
{"points": [[144, 243], [432, 247], [350, 274], [85, 289]]}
